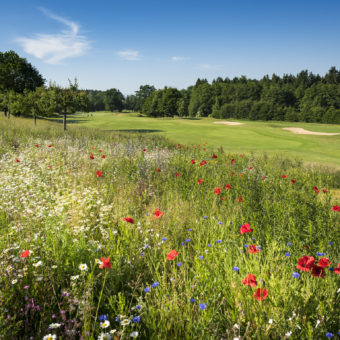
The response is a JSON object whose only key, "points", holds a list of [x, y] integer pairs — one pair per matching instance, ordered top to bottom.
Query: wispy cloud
{"points": [[53, 48], [129, 55], [179, 58], [211, 67]]}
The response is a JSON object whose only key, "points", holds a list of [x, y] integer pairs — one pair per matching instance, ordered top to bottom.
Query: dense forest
{"points": [[306, 97]]}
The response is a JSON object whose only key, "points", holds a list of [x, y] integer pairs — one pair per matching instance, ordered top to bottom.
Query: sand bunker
{"points": [[229, 123], [302, 131]]}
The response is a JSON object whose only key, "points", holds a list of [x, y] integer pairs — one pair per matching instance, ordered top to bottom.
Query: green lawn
{"points": [[256, 136]]}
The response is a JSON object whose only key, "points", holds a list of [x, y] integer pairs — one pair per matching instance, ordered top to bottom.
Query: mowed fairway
{"points": [[257, 137]]}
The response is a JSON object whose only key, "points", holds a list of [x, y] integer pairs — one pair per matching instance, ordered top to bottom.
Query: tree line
{"points": [[305, 97]]}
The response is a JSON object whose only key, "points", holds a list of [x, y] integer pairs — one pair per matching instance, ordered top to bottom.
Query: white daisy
{"points": [[38, 264], [83, 266], [14, 281], [125, 322], [105, 324], [54, 325], [134, 334], [104, 336], [50, 337]]}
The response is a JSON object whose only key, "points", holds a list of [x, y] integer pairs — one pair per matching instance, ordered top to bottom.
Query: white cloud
{"points": [[53, 48], [129, 55], [179, 58]]}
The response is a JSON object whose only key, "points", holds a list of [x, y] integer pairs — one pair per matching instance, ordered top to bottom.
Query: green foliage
{"points": [[113, 100], [53, 204]]}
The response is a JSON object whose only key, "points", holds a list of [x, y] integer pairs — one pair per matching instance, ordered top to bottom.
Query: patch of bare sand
{"points": [[229, 123], [302, 131]]}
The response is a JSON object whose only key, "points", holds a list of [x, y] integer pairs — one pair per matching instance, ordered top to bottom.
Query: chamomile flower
{"points": [[37, 264], [83, 267], [74, 277], [125, 322], [105, 324], [54, 325], [134, 334], [104, 336], [50, 337]]}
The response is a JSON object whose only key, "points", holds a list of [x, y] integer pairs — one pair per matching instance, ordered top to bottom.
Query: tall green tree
{"points": [[114, 100]]}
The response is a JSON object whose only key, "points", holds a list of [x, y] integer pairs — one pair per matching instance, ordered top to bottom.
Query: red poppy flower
{"points": [[36, 145], [49, 145], [93, 147], [204, 149], [100, 150], [144, 150], [104, 156], [214, 156], [91, 157], [17, 160], [193, 161], [233, 161], [203, 163], [50, 166], [250, 168], [158, 170], [99, 173], [233, 173], [177, 174], [284, 176], [263, 178], [200, 181], [293, 181], [227, 186], [315, 189], [324, 190], [217, 191], [240, 199], [336, 208], [157, 213], [128, 219], [245, 228], [253, 249], [25, 254], [172, 255], [324, 262], [105, 263], [305, 263], [337, 269], [318, 271], [250, 280], [261, 294]]}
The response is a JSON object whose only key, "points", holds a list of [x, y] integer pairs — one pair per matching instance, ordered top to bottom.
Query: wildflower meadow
{"points": [[117, 236]]}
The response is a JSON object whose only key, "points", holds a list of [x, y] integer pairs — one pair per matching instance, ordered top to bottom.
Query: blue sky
{"points": [[128, 43]]}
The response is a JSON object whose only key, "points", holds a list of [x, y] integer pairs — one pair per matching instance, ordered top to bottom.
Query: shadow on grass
{"points": [[191, 118], [68, 120], [136, 130]]}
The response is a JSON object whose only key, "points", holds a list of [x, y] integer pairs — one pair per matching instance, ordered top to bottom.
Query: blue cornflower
{"points": [[147, 214], [205, 217], [219, 222], [231, 223], [190, 229], [164, 239], [187, 240], [218, 241], [182, 243], [330, 243], [289, 244], [209, 245], [246, 245], [146, 246], [96, 250], [142, 254], [287, 254], [320, 254], [200, 257], [179, 264], [236, 269], [331, 269], [296, 275], [155, 284], [147, 290], [192, 300], [202, 306], [138, 307], [102, 317], [118, 317], [136, 319], [329, 335]]}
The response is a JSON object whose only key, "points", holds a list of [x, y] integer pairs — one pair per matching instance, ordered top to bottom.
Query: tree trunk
{"points": [[5, 113], [9, 114], [35, 119], [64, 121]]}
